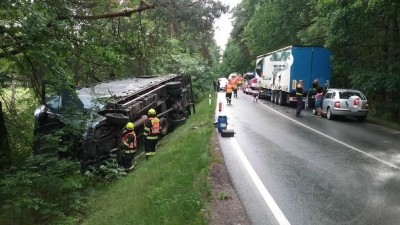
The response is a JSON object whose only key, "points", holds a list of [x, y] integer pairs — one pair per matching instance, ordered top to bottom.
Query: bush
{"points": [[45, 190]]}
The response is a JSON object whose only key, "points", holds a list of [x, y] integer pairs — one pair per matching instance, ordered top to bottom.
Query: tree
{"points": [[83, 42]]}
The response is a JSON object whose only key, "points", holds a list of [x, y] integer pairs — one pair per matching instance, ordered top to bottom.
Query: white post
{"points": [[209, 99]]}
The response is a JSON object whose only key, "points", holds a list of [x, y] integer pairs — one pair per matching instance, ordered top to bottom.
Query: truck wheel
{"points": [[174, 85], [175, 92], [272, 96], [280, 98], [188, 111], [117, 119], [178, 122], [164, 126]]}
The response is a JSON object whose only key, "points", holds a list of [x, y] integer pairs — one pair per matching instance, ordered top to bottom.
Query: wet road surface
{"points": [[309, 170]]}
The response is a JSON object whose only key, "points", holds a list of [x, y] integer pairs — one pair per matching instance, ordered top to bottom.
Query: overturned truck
{"points": [[105, 108]]}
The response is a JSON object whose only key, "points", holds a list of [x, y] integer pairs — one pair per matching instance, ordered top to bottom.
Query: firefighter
{"points": [[233, 82], [228, 90], [299, 97], [152, 130], [129, 144]]}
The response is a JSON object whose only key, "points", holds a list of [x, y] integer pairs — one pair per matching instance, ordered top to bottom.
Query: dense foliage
{"points": [[364, 37], [83, 42]]}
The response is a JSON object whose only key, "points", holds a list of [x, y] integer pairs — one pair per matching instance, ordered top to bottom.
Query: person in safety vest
{"points": [[240, 80], [233, 82], [228, 90], [299, 97], [152, 130], [129, 144]]}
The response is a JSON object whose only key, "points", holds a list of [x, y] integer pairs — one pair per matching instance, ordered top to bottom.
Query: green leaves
{"points": [[43, 190]]}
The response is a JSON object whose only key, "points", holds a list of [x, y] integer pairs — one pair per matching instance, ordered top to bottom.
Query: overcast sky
{"points": [[223, 26]]}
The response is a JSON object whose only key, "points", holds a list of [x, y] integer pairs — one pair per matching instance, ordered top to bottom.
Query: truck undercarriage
{"points": [[107, 107]]}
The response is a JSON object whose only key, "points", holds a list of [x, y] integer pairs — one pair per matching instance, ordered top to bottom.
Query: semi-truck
{"points": [[279, 72], [105, 108]]}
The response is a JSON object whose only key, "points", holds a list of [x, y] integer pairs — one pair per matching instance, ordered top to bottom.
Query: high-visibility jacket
{"points": [[240, 81], [233, 82], [228, 88], [152, 128], [129, 141]]}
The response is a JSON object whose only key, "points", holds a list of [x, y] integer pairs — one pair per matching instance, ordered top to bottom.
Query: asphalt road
{"points": [[309, 170]]}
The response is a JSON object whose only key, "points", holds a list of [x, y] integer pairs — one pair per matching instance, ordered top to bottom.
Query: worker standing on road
{"points": [[240, 81], [233, 82], [228, 95], [299, 97], [318, 101], [152, 130], [129, 144]]}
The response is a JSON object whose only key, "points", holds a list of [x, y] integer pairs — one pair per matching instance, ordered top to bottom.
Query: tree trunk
{"points": [[13, 93], [4, 146]]}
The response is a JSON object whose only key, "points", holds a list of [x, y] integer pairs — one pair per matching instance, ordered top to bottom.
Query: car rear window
{"points": [[348, 94]]}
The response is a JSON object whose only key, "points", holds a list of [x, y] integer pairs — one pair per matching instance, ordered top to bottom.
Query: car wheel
{"points": [[329, 115], [361, 118]]}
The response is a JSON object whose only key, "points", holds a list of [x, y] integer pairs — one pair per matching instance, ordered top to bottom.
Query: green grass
{"points": [[384, 123], [170, 188]]}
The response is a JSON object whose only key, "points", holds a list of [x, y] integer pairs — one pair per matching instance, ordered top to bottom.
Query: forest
{"points": [[363, 35], [81, 42]]}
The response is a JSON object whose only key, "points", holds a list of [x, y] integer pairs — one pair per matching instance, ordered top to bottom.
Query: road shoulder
{"points": [[225, 208]]}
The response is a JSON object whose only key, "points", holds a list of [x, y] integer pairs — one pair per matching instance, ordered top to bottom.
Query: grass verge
{"points": [[384, 123], [170, 188]]}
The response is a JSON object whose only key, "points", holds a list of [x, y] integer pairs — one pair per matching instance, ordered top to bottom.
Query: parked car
{"points": [[254, 85], [246, 86], [345, 102]]}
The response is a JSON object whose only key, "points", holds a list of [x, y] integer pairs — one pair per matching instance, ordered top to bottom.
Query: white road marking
{"points": [[334, 139], [276, 211]]}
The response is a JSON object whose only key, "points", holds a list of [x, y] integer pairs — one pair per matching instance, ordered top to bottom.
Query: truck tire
{"points": [[174, 85], [175, 92], [272, 96], [280, 98], [117, 119], [178, 122], [164, 126]]}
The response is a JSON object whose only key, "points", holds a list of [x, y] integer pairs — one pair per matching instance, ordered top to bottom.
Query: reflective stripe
{"points": [[299, 94], [151, 137], [131, 145], [130, 151], [150, 153]]}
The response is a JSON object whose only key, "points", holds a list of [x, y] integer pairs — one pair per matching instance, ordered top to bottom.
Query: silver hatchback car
{"points": [[345, 102]]}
